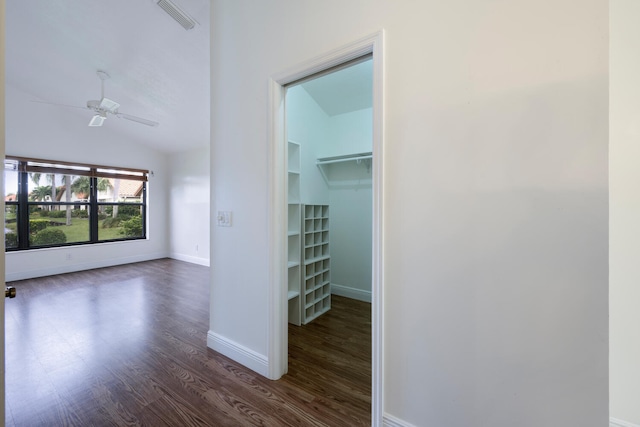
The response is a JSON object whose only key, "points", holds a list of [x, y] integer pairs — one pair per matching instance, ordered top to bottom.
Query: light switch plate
{"points": [[224, 218]]}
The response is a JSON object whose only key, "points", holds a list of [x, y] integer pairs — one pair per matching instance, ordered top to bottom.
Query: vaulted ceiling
{"points": [[158, 70], [343, 91]]}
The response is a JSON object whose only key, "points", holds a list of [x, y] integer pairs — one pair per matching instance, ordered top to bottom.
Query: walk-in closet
{"points": [[329, 160]]}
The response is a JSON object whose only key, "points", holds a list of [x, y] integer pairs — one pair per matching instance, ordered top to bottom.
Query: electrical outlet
{"points": [[224, 218]]}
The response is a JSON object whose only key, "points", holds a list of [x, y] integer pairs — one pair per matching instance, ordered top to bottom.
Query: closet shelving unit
{"points": [[340, 170], [294, 250], [316, 284]]}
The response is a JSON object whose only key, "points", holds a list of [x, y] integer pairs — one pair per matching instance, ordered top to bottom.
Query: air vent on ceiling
{"points": [[176, 13]]}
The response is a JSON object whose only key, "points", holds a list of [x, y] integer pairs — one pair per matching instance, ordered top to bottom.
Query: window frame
{"points": [[94, 172]]}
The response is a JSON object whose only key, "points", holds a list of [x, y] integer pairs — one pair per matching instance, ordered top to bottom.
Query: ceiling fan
{"points": [[105, 106]]}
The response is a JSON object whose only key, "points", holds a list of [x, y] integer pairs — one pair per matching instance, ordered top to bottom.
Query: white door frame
{"points": [[2, 261], [278, 312]]}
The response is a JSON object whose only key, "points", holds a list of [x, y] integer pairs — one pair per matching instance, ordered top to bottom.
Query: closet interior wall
{"points": [[349, 198]]}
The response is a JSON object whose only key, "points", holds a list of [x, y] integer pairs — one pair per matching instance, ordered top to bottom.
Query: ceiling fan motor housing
{"points": [[105, 104]]}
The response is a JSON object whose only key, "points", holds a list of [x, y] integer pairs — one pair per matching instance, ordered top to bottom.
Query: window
{"points": [[50, 203]]}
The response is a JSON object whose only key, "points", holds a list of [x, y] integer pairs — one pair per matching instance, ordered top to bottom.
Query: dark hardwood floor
{"points": [[126, 346]]}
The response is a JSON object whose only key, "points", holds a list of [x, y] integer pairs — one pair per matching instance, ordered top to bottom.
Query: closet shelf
{"points": [[347, 158], [342, 171], [294, 228], [318, 258], [292, 294]]}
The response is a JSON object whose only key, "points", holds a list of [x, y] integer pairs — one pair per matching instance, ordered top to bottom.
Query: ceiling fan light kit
{"points": [[97, 120]]}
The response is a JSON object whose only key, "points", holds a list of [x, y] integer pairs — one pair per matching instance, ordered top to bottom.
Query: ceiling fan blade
{"points": [[59, 105], [137, 119]]}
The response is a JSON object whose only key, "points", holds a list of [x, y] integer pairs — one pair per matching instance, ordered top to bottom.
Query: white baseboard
{"points": [[190, 259], [82, 266], [353, 293], [241, 354], [391, 421], [614, 422]]}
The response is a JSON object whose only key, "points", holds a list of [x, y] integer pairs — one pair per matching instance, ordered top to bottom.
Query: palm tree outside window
{"points": [[82, 204]]}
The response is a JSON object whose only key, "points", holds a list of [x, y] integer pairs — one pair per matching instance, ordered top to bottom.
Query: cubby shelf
{"points": [[308, 260], [316, 261]]}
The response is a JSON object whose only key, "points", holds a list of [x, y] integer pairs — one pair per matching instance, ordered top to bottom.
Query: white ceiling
{"points": [[158, 70], [349, 89]]}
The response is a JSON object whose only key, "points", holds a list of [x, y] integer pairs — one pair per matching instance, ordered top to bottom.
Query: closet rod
{"points": [[348, 158]]}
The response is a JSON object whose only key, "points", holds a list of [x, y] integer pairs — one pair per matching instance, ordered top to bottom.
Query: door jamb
{"points": [[2, 260], [277, 327]]}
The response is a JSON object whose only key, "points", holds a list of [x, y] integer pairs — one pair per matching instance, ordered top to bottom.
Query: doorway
{"points": [[329, 191], [329, 237], [279, 316]]}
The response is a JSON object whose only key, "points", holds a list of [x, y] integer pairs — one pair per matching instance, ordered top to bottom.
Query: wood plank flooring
{"points": [[126, 346]]}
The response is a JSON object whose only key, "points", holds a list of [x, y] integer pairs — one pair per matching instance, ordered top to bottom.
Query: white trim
{"points": [[349, 52], [2, 153], [191, 259], [70, 268], [377, 284], [349, 292], [277, 325], [277, 340], [239, 353], [391, 421], [614, 422]]}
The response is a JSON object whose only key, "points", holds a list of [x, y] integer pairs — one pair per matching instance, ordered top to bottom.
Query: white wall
{"points": [[309, 126], [349, 133], [64, 135], [495, 203], [351, 206], [189, 216], [624, 237], [350, 238]]}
